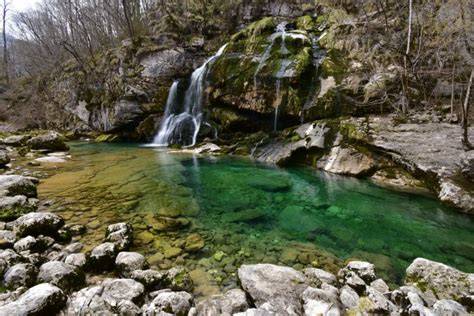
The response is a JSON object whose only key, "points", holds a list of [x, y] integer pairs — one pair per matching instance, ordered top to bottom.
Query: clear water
{"points": [[254, 213]]}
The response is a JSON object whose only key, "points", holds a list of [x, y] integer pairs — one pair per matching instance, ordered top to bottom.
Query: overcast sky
{"points": [[22, 5]]}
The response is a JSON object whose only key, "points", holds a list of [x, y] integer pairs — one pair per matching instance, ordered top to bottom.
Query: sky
{"points": [[22, 5]]}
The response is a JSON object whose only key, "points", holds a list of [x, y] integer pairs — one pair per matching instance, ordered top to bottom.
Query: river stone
{"points": [[16, 140], [51, 141], [4, 159], [347, 161], [467, 165], [273, 183], [12, 185], [12, 207], [246, 215], [163, 223], [35, 224], [121, 234], [7, 239], [194, 242], [27, 243], [73, 248], [103, 256], [9, 258], [76, 259], [127, 262], [365, 270], [22, 274], [63, 275], [317, 276], [151, 279], [178, 279], [354, 281], [443, 281], [277, 285], [380, 286], [117, 290], [348, 297], [42, 299], [88, 301], [232, 302], [320, 302], [177, 303], [380, 304], [449, 307]]}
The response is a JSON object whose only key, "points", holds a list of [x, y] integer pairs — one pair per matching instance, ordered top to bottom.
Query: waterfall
{"points": [[182, 122]]}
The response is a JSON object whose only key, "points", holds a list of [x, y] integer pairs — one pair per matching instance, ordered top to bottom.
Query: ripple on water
{"points": [[247, 213]]}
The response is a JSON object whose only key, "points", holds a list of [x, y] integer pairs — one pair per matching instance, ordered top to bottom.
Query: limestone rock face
{"points": [[347, 161], [467, 165], [441, 280], [279, 286], [42, 299]]}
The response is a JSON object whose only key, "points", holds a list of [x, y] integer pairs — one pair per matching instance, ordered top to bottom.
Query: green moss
{"points": [[307, 23], [335, 64], [107, 138]]}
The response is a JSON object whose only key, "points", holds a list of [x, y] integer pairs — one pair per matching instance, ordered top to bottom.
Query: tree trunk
{"points": [[5, 44], [405, 99], [465, 115]]}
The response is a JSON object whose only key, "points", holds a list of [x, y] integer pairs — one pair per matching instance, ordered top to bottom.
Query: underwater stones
{"points": [[52, 141], [347, 161], [269, 183], [12, 185], [246, 215], [163, 223], [34, 224], [121, 234], [145, 237], [194, 242], [172, 252], [219, 255], [103, 256], [127, 262], [22, 274], [63, 275], [443, 281], [277, 285], [42, 299], [176, 303]]}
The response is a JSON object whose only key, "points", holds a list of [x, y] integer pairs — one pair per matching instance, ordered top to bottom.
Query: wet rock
{"points": [[16, 140], [52, 142], [207, 148], [347, 161], [12, 185], [12, 207], [162, 223], [35, 224], [121, 234], [194, 242], [73, 248], [172, 252], [103, 256], [9, 258], [77, 259], [127, 262], [365, 270], [22, 274], [63, 275], [318, 277], [151, 279], [178, 279], [443, 281], [279, 286], [117, 290], [348, 297], [42, 299], [232, 302], [320, 302], [176, 303], [449, 307]]}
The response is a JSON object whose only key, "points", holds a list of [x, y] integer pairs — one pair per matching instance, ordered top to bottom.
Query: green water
{"points": [[249, 212]]}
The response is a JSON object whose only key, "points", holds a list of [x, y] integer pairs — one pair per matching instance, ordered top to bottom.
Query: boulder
{"points": [[16, 140], [51, 141], [4, 159], [347, 161], [467, 165], [12, 185], [12, 207], [35, 224], [121, 234], [7, 239], [27, 243], [103, 257], [9, 258], [78, 260], [127, 262], [365, 270], [22, 274], [63, 275], [317, 277], [151, 279], [178, 279], [443, 281], [277, 285], [117, 290], [348, 297], [42, 299], [88, 301], [232, 302], [320, 302], [177, 303], [449, 307]]}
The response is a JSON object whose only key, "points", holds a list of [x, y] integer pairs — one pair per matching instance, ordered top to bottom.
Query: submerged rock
{"points": [[178, 279], [42, 299]]}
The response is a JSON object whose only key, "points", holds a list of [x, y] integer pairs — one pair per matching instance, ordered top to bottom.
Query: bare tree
{"points": [[4, 35], [465, 115]]}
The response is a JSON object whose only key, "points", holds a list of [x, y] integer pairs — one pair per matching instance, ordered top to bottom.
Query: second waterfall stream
{"points": [[182, 120]]}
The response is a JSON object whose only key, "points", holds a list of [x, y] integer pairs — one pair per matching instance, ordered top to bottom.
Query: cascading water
{"points": [[182, 122]]}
